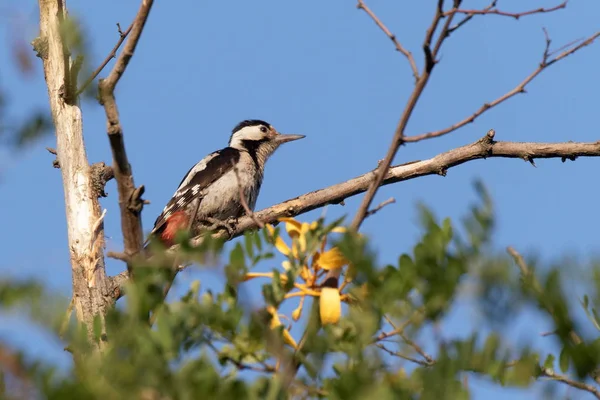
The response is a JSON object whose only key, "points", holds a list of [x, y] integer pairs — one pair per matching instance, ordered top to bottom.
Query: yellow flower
{"points": [[298, 230], [279, 243], [332, 259], [330, 306], [298, 311], [276, 322]]}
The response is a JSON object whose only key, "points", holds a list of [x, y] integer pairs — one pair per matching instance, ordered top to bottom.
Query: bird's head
{"points": [[259, 138]]}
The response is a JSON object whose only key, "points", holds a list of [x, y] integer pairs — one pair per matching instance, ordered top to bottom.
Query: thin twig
{"points": [[515, 15], [469, 17], [399, 47], [111, 55], [520, 88], [398, 139], [130, 200], [247, 209], [374, 211], [118, 256], [528, 275], [397, 330], [417, 348], [424, 363], [548, 373]]}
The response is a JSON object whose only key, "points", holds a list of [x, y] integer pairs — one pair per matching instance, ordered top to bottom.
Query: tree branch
{"points": [[515, 15], [470, 16], [399, 47], [111, 55], [520, 88], [398, 139], [484, 148], [130, 200], [568, 381]]}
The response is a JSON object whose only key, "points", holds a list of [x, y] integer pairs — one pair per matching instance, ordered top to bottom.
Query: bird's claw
{"points": [[228, 225]]}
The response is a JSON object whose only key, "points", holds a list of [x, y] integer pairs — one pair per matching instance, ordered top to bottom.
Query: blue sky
{"points": [[324, 70]]}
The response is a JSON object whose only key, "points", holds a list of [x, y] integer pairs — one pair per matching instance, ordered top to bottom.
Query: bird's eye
{"points": [[263, 129]]}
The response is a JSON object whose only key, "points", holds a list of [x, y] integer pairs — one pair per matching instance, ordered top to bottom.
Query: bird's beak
{"points": [[284, 138]]}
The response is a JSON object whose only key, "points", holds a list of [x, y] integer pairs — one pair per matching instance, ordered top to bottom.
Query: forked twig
{"points": [[411, 60]]}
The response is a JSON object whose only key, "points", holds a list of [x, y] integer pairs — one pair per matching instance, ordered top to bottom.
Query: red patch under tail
{"points": [[176, 222]]}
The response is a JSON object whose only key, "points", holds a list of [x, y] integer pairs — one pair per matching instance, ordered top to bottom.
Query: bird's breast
{"points": [[223, 199]]}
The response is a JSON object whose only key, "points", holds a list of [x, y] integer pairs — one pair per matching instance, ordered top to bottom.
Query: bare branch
{"points": [[515, 15], [469, 17], [399, 47], [111, 55], [520, 88], [398, 139], [484, 148], [55, 162], [130, 200], [389, 201], [535, 285], [424, 363], [571, 382]]}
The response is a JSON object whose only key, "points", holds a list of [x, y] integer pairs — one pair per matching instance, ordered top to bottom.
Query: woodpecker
{"points": [[209, 195]]}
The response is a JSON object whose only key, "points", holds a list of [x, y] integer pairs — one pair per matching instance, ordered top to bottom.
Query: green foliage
{"points": [[210, 342]]}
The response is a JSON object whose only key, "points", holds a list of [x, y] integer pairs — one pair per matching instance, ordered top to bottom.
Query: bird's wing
{"points": [[198, 178]]}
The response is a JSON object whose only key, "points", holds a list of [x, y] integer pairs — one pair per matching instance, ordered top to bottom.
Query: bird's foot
{"points": [[228, 225]]}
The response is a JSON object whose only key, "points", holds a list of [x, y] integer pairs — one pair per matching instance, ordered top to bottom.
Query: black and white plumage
{"points": [[210, 191]]}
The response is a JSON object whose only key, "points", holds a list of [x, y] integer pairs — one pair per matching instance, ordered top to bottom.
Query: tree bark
{"points": [[91, 286]]}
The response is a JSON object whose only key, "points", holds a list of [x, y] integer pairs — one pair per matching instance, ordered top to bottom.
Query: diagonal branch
{"points": [[515, 15], [467, 18], [399, 47], [110, 56], [520, 88], [398, 139], [129, 196], [549, 373]]}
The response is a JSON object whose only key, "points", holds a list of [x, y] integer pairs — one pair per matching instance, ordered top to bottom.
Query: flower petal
{"points": [[292, 227], [305, 227], [339, 229], [279, 243], [332, 259], [305, 273], [330, 306], [298, 311], [276, 322]]}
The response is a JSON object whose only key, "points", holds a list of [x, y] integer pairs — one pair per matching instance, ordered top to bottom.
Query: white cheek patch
{"points": [[247, 133]]}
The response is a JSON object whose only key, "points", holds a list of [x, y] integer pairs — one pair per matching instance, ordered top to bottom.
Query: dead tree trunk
{"points": [[91, 286]]}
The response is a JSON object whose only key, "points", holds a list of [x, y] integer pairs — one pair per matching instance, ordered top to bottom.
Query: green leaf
{"points": [[257, 240], [249, 243], [585, 302], [563, 360], [549, 362]]}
